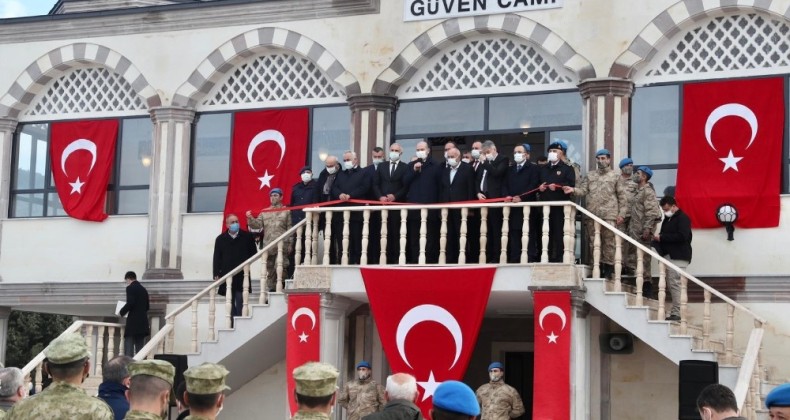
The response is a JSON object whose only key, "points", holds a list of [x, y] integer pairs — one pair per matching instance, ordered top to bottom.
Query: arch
{"points": [[681, 17], [452, 31], [224, 59], [55, 63]]}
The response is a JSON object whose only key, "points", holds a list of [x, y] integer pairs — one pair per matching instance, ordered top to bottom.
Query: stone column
{"points": [[607, 104], [371, 123], [7, 129], [168, 191], [5, 312], [333, 330], [580, 356]]}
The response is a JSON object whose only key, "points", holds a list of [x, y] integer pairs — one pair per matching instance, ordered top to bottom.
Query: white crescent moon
{"points": [[734, 110], [264, 136], [79, 144], [552, 310], [303, 311], [424, 313]]}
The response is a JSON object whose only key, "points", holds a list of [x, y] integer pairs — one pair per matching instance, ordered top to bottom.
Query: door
{"points": [[519, 374]]}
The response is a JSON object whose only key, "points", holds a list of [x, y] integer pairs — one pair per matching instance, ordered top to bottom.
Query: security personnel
{"points": [[627, 175], [553, 177], [606, 198], [645, 214], [274, 225], [67, 361], [149, 389], [315, 390], [205, 393], [363, 395], [454, 400], [499, 401], [778, 402]]}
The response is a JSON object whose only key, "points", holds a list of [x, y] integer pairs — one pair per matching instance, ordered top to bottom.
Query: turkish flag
{"points": [[269, 148], [731, 151], [82, 155], [428, 320], [302, 336], [552, 377]]}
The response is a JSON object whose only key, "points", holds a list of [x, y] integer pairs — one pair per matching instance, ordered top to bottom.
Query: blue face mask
{"points": [[234, 227]]}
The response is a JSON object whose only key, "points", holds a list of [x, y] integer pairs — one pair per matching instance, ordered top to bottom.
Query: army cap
{"points": [[66, 349], [157, 368], [206, 379], [315, 379]]}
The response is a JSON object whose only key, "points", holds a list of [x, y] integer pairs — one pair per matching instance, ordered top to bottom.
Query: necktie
{"points": [[519, 167], [392, 168], [484, 182]]}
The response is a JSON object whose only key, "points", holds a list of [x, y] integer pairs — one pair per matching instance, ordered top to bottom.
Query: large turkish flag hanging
{"points": [[269, 148], [731, 151], [82, 155], [428, 320], [302, 336], [552, 380]]}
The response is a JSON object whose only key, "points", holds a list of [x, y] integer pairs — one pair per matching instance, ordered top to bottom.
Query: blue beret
{"points": [[559, 144], [527, 147], [603, 152], [626, 161], [646, 170], [276, 191], [363, 364], [495, 365], [456, 397], [778, 397]]}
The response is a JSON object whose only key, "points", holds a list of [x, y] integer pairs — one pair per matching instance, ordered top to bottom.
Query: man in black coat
{"points": [[523, 177], [553, 177], [326, 179], [422, 180], [350, 184], [457, 184], [491, 184], [388, 187], [302, 193], [374, 221], [473, 222], [674, 243], [231, 248], [137, 305]]}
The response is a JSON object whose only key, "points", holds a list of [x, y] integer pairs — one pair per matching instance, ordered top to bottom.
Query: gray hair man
{"points": [[115, 382], [12, 387], [401, 394]]}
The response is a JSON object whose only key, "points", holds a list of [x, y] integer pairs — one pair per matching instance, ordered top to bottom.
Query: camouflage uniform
{"points": [[606, 198], [645, 213], [274, 224], [629, 253], [156, 368], [205, 379], [314, 379], [361, 398], [61, 400], [499, 401], [141, 415], [310, 416], [196, 417]]}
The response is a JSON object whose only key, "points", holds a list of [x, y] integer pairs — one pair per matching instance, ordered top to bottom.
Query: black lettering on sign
{"points": [[504, 4], [480, 5], [463, 6], [417, 7], [435, 9]]}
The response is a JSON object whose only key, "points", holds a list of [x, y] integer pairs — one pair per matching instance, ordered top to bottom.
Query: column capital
{"points": [[606, 86], [372, 101], [172, 113], [8, 124], [579, 306]]}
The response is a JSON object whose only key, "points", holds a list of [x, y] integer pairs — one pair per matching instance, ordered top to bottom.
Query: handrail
{"points": [[74, 327]]}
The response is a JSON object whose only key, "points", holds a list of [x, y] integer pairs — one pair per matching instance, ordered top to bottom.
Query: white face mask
{"points": [[422, 154], [475, 154], [445, 155], [394, 156], [553, 156], [489, 157], [518, 157], [465, 160], [376, 161], [452, 162], [348, 164], [331, 169], [306, 177], [669, 213], [495, 377]]}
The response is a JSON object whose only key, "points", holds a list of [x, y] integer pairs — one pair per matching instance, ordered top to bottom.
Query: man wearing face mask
{"points": [[447, 146], [627, 175], [523, 177], [553, 177], [326, 179], [422, 180], [352, 183], [457, 184], [492, 185], [388, 187], [302, 193], [606, 198], [645, 214], [473, 218], [374, 221], [274, 224], [674, 243], [231, 248], [67, 362], [13, 388], [149, 389], [205, 393], [363, 395], [498, 400], [717, 402]]}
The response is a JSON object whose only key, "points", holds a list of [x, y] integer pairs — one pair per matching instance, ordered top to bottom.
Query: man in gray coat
{"points": [[401, 395]]}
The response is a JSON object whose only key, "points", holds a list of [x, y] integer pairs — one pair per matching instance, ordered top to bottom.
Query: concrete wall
{"points": [[644, 385]]}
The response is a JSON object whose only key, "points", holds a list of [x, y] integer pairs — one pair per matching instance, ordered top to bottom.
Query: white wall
{"points": [[262, 398]]}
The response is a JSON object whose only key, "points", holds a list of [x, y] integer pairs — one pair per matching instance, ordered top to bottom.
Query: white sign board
{"points": [[440, 9]]}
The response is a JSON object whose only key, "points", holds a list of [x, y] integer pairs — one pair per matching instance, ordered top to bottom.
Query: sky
{"points": [[18, 8]]}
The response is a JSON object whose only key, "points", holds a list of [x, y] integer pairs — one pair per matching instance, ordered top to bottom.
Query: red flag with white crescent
{"points": [[269, 148], [731, 151], [82, 155], [428, 320], [302, 336], [552, 377]]}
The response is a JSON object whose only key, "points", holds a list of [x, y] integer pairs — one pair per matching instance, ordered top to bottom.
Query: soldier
{"points": [[627, 175], [553, 177], [607, 199], [645, 214], [274, 224], [67, 361], [149, 389], [205, 390], [315, 390], [363, 395], [454, 400], [499, 401], [778, 402]]}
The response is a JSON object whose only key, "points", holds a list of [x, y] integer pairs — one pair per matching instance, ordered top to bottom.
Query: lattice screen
{"points": [[727, 43], [489, 63], [274, 77], [84, 90]]}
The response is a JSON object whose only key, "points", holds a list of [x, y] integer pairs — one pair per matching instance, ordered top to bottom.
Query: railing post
{"points": [[315, 219], [569, 228], [505, 232], [483, 234], [327, 235], [423, 235], [345, 238], [443, 238], [384, 239], [463, 239], [308, 240], [572, 241], [298, 247], [402, 247], [544, 253], [524, 257], [363, 258], [618, 261], [596, 262], [264, 277], [640, 279], [278, 286], [662, 290], [245, 293], [684, 298], [228, 303], [212, 314], [194, 326], [171, 335], [729, 337], [110, 343], [99, 350], [39, 376]]}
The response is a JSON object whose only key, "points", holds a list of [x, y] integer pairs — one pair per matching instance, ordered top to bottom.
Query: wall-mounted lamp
{"points": [[144, 153], [323, 155], [727, 215]]}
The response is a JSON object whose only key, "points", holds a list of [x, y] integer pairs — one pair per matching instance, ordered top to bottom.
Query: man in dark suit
{"points": [[523, 177], [553, 177], [326, 179], [422, 180], [351, 183], [457, 184], [492, 185], [388, 187], [302, 193], [374, 221], [473, 223], [231, 248], [136, 307]]}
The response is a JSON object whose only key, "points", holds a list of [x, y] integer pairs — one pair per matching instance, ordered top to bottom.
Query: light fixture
{"points": [[144, 153], [322, 156], [727, 215]]}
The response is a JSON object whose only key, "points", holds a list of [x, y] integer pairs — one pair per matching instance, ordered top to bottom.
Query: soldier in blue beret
{"points": [[453, 400], [778, 402]]}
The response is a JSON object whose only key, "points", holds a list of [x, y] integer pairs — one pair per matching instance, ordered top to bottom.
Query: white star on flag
{"points": [[730, 162], [266, 180], [76, 186], [303, 337], [552, 338], [429, 386]]}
